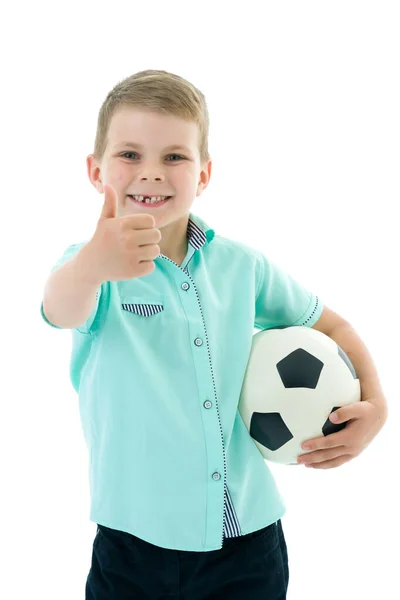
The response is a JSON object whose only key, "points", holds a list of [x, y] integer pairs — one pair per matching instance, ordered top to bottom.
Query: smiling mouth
{"points": [[149, 200]]}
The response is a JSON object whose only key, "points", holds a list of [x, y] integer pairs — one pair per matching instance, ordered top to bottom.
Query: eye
{"points": [[125, 153], [131, 153], [178, 155]]}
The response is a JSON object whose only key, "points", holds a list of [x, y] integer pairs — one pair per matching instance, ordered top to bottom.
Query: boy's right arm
{"points": [[121, 248], [70, 294]]}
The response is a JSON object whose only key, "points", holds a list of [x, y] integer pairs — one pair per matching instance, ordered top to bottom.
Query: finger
{"points": [[109, 209], [143, 221], [146, 237], [149, 253], [351, 411], [333, 440], [322, 455], [331, 464]]}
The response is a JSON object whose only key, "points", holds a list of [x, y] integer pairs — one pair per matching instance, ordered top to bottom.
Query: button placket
{"points": [[202, 343]]}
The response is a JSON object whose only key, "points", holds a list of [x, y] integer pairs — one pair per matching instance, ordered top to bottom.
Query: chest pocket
{"points": [[142, 307]]}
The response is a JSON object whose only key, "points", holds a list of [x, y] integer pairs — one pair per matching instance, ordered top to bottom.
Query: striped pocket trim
{"points": [[144, 310]]}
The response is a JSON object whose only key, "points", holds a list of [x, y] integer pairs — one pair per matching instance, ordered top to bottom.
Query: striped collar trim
{"points": [[198, 232]]}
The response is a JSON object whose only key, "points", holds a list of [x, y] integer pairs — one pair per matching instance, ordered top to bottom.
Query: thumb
{"points": [[109, 210]]}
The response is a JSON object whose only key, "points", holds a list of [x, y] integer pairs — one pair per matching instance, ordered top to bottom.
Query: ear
{"points": [[94, 173], [205, 175]]}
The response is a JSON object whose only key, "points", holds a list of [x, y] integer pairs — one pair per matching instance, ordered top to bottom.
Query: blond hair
{"points": [[162, 92]]}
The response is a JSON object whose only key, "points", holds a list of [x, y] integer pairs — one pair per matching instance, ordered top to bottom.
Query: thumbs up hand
{"points": [[122, 247]]}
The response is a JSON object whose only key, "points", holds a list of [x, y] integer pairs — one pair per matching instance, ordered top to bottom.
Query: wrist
{"points": [[86, 267]]}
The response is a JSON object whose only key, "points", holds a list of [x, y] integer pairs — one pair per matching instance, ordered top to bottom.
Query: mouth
{"points": [[149, 201]]}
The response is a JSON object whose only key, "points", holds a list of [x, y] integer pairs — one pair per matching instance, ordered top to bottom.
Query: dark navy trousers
{"points": [[250, 567]]}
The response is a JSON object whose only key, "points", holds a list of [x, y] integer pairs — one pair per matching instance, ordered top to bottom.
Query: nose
{"points": [[151, 173], [152, 178]]}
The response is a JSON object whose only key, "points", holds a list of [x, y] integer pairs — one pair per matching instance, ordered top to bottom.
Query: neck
{"points": [[174, 241]]}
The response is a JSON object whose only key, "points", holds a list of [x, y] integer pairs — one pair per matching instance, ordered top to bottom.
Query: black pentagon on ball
{"points": [[300, 369], [330, 427], [269, 430]]}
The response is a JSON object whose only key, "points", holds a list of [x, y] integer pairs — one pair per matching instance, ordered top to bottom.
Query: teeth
{"points": [[149, 200]]}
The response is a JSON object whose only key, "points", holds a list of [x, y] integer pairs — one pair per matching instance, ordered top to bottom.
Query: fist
{"points": [[122, 247]]}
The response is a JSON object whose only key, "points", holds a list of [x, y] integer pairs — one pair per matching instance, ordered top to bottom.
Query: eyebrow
{"points": [[140, 147]]}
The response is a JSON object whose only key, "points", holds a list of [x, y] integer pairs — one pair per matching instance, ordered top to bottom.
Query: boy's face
{"points": [[137, 161]]}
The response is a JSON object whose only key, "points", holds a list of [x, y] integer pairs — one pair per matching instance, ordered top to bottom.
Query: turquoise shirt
{"points": [[159, 367]]}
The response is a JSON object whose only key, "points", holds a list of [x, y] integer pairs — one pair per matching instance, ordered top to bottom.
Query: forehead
{"points": [[149, 128]]}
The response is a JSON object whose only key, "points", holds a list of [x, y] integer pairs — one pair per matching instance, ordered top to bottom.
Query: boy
{"points": [[162, 312]]}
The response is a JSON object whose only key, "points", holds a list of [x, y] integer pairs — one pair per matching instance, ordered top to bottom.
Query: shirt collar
{"points": [[198, 232]]}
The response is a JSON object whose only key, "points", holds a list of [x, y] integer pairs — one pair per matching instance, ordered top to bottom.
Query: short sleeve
{"points": [[281, 301], [85, 327]]}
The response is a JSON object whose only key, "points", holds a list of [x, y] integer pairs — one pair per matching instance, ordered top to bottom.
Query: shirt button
{"points": [[185, 286], [198, 342], [207, 404], [216, 476]]}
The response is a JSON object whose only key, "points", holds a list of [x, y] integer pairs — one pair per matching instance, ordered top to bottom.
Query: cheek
{"points": [[117, 171], [187, 175], [120, 176]]}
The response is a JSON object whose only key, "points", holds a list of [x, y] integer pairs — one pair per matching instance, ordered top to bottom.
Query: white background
{"points": [[304, 104]]}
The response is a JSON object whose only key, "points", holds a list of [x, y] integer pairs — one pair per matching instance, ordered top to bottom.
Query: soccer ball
{"points": [[295, 378]]}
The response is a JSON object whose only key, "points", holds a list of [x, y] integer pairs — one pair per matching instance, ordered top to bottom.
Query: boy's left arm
{"points": [[366, 418]]}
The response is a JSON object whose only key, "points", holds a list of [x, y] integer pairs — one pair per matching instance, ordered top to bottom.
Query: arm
{"points": [[70, 293], [338, 329], [363, 419]]}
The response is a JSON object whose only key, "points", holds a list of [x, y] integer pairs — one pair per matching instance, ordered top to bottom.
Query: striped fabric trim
{"points": [[197, 237], [144, 310], [231, 523]]}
